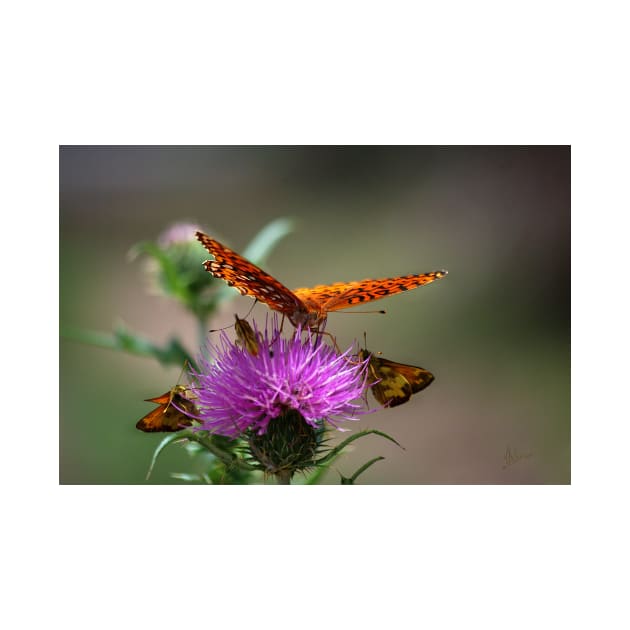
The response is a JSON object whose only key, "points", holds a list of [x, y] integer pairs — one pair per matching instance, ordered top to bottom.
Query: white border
{"points": [[332, 73]]}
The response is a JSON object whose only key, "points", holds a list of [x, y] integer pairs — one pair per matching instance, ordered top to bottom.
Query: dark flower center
{"points": [[289, 444]]}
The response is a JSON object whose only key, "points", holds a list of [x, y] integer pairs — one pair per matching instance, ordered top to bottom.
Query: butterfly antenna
{"points": [[251, 308], [360, 312], [235, 315], [225, 327], [220, 329], [365, 345], [186, 364], [179, 378]]}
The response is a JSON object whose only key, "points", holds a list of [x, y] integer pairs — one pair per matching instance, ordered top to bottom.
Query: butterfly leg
{"points": [[318, 332], [278, 335], [332, 338]]}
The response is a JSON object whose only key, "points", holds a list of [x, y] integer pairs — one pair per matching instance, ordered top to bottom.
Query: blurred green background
{"points": [[495, 332]]}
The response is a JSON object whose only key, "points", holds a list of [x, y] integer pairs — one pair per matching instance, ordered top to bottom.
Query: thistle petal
{"points": [[238, 392]]}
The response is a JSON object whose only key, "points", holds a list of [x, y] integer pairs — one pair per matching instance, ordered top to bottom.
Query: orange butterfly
{"points": [[302, 306], [393, 383], [165, 417]]}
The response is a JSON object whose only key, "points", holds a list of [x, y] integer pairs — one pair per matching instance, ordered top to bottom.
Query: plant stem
{"points": [[283, 477]]}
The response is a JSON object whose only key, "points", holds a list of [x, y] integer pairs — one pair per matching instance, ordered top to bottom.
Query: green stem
{"points": [[229, 459], [283, 477]]}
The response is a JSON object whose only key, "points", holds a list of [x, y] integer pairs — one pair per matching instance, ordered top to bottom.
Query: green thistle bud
{"points": [[174, 267], [288, 446]]}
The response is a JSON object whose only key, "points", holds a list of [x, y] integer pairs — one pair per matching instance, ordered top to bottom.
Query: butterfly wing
{"points": [[248, 278], [334, 297], [245, 336], [417, 377], [394, 383], [389, 388], [164, 399], [166, 418]]}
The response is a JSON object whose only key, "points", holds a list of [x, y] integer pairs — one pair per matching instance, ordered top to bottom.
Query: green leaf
{"points": [[263, 243], [173, 353], [169, 439], [209, 442], [205, 444], [194, 448], [337, 450], [187, 476], [351, 480]]}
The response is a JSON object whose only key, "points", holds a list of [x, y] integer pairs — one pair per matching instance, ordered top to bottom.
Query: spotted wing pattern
{"points": [[248, 278], [334, 297], [308, 306], [394, 383], [165, 417]]}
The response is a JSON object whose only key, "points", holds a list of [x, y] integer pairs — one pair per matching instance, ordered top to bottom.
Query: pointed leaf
{"points": [[263, 243], [171, 354], [169, 439], [335, 451], [226, 456], [187, 476], [351, 480]]}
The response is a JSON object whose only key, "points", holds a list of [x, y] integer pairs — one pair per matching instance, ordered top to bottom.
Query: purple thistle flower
{"points": [[238, 392]]}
